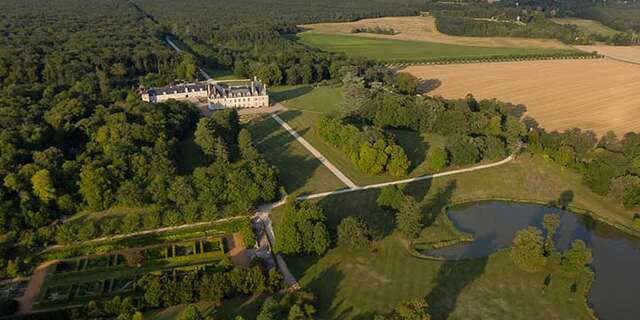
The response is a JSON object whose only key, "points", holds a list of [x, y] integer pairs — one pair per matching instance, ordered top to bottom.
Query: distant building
{"points": [[218, 94]]}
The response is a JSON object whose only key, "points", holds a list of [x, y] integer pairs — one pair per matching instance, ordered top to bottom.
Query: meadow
{"points": [[391, 50], [599, 94]]}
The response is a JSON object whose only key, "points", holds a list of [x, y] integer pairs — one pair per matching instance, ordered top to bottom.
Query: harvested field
{"points": [[423, 28], [629, 54], [599, 95]]}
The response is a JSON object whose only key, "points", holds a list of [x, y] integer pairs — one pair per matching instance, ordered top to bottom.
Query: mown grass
{"points": [[396, 50], [297, 169], [357, 283], [352, 284]]}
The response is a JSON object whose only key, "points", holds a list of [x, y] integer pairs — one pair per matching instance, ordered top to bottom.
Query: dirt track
{"points": [[600, 94], [33, 288]]}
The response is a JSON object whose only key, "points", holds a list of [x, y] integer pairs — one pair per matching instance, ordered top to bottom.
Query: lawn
{"points": [[402, 50], [298, 170], [355, 284]]}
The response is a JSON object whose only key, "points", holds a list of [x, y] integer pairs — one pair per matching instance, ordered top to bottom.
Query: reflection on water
{"points": [[616, 256]]}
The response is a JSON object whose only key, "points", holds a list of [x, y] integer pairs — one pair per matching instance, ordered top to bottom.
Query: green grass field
{"points": [[587, 26], [396, 50], [298, 170]]}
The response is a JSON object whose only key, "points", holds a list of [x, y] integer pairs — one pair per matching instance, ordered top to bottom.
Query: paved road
{"points": [[175, 47], [316, 153], [427, 177]]}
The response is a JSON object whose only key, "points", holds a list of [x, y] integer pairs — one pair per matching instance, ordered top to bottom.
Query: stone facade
{"points": [[218, 94]]}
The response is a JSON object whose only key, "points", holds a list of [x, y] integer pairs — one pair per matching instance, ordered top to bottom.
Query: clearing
{"points": [[587, 26], [423, 28], [598, 94]]}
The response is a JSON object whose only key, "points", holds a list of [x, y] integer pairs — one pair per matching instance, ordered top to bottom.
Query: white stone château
{"points": [[218, 94]]}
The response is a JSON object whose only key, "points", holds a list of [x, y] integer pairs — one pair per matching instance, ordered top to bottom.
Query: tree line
{"points": [[609, 166]]}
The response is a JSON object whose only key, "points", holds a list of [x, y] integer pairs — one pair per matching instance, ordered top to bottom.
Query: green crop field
{"points": [[400, 50]]}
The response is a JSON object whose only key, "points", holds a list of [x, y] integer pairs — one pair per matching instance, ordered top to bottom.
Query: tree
{"points": [[187, 69], [406, 83], [206, 136], [462, 151], [398, 163], [43, 186], [409, 218], [551, 222], [353, 233], [321, 239], [527, 250], [576, 257], [411, 310], [191, 312]]}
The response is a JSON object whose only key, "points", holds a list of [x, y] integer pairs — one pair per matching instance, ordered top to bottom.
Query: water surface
{"points": [[616, 255]]}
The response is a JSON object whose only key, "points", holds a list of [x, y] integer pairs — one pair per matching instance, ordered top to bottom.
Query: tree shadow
{"points": [[427, 85], [290, 93], [414, 146], [293, 170], [564, 200], [438, 202], [362, 204], [452, 278], [325, 286]]}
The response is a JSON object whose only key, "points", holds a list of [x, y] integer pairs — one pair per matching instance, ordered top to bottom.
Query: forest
{"points": [[529, 19], [76, 138]]}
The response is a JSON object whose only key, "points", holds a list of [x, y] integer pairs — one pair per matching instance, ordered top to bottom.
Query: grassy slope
{"points": [[587, 26], [390, 50]]}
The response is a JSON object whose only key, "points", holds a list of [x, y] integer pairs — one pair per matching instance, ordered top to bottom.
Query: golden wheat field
{"points": [[423, 28], [631, 54], [599, 94]]}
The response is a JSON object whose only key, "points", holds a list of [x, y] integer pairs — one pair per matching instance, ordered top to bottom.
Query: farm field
{"points": [[587, 26], [423, 28], [391, 50], [630, 54], [598, 95]]}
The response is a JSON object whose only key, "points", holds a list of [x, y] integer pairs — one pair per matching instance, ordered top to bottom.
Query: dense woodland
{"points": [[529, 19], [75, 137]]}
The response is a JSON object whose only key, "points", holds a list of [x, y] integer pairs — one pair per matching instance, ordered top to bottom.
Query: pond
{"points": [[616, 255]]}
